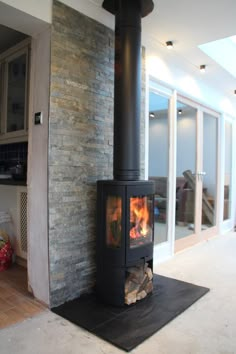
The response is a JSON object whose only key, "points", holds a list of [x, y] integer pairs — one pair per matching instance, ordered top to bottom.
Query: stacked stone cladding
{"points": [[80, 146]]}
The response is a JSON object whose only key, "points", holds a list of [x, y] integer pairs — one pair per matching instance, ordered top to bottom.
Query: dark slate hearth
{"points": [[128, 326]]}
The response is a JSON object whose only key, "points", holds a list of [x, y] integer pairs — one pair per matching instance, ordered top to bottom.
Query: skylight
{"points": [[223, 51]]}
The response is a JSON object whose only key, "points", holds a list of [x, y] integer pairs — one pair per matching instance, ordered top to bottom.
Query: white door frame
{"points": [[227, 225], [200, 235], [166, 249]]}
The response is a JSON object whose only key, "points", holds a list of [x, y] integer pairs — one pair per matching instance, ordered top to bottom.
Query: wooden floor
{"points": [[16, 303]]}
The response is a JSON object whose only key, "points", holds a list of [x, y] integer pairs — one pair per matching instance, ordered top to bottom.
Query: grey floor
{"points": [[181, 231], [160, 232], [207, 327]]}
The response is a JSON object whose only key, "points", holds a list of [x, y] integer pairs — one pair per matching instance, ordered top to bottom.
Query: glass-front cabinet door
{"points": [[14, 93]]}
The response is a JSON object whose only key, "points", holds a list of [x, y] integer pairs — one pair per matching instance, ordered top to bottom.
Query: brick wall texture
{"points": [[80, 146]]}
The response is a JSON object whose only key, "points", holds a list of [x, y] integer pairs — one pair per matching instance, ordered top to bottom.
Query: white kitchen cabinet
{"points": [[13, 200]]}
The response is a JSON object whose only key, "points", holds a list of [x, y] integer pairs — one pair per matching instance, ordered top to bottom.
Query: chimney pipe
{"points": [[127, 94]]}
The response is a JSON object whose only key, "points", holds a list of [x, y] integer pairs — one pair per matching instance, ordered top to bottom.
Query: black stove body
{"points": [[125, 226]]}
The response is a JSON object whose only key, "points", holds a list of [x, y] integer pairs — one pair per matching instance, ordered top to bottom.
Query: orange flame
{"points": [[139, 217], [113, 220]]}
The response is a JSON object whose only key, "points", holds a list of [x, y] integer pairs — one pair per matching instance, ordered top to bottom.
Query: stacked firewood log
{"points": [[138, 283]]}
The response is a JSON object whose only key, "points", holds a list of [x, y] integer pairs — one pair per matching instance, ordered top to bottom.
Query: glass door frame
{"points": [[228, 224], [199, 234], [191, 239], [167, 249], [164, 250]]}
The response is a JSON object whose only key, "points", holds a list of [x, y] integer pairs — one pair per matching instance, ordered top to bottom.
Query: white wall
{"points": [[40, 9], [23, 17], [37, 178]]}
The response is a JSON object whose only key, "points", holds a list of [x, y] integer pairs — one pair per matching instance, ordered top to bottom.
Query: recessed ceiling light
{"points": [[169, 44], [202, 68], [179, 111], [152, 115]]}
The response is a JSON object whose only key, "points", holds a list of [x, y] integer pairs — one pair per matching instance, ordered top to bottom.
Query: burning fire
{"points": [[113, 217], [139, 217]]}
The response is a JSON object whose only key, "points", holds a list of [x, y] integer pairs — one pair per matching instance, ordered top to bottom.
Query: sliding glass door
{"points": [[158, 161], [183, 163], [185, 170], [227, 172], [196, 174], [209, 174]]}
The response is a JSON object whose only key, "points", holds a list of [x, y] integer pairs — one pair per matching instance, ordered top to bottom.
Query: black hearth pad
{"points": [[129, 326]]}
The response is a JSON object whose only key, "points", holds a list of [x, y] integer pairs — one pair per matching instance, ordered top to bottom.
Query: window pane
{"points": [[16, 94], [158, 161], [210, 169], [228, 170], [185, 171]]}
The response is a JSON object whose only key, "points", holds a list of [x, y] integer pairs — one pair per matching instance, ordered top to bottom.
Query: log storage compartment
{"points": [[124, 241]]}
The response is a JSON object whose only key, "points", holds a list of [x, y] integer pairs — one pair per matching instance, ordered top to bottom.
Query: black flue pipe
{"points": [[127, 92]]}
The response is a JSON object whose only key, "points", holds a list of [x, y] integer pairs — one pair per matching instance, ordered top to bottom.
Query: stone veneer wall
{"points": [[80, 146]]}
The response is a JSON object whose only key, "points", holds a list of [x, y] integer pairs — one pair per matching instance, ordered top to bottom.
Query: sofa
{"points": [[184, 200]]}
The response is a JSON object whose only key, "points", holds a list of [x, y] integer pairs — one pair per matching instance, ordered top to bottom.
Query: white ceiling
{"points": [[189, 24]]}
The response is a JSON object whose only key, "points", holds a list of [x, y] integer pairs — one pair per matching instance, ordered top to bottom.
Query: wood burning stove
{"points": [[125, 205], [125, 237]]}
